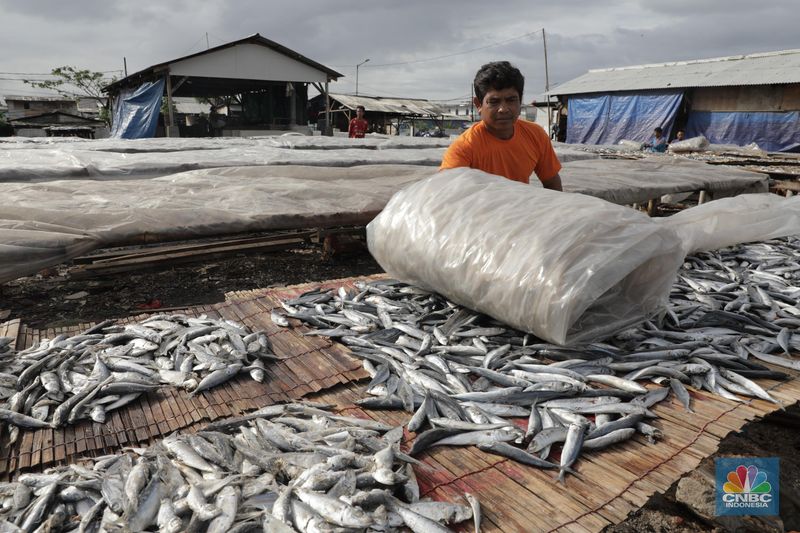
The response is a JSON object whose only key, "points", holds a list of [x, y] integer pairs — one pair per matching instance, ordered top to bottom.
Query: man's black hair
{"points": [[498, 76], [361, 107], [658, 130]]}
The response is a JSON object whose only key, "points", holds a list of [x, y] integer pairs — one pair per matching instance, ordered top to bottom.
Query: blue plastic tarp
{"points": [[135, 111], [610, 118], [771, 131]]}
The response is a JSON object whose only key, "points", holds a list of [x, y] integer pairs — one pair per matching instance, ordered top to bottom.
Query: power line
{"points": [[456, 53], [49, 73]]}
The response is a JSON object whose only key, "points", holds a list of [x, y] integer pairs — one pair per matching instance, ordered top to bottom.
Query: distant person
{"points": [[358, 125], [680, 135], [501, 143], [657, 143]]}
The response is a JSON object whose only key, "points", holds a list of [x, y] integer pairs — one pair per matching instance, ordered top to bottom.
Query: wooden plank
{"points": [[117, 255], [173, 258], [12, 329]]}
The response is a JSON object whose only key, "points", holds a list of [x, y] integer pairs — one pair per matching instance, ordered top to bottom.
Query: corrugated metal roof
{"points": [[256, 38], [754, 69], [14, 98], [400, 106]]}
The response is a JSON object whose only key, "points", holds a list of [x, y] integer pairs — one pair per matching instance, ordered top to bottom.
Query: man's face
{"points": [[499, 110], [360, 113], [680, 135]]}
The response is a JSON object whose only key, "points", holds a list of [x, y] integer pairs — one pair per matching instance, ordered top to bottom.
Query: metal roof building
{"points": [[269, 80], [735, 99], [383, 112]]}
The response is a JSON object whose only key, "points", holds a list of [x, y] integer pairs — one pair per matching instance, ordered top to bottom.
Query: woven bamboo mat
{"points": [[308, 364], [611, 484]]}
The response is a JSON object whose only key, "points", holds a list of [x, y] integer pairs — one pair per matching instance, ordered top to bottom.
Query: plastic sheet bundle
{"points": [[729, 221], [567, 267]]}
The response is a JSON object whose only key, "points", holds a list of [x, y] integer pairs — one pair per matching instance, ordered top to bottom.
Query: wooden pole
{"points": [[169, 106], [328, 128]]}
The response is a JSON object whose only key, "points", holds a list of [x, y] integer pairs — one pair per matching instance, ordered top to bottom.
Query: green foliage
{"points": [[71, 82]]}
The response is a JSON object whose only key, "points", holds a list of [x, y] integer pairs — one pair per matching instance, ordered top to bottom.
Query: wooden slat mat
{"points": [[308, 364], [612, 482]]}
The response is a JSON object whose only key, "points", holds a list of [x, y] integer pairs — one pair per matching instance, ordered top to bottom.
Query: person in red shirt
{"points": [[358, 125], [501, 143]]}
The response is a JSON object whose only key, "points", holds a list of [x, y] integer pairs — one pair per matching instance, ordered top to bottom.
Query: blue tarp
{"points": [[135, 111], [609, 118], [771, 131]]}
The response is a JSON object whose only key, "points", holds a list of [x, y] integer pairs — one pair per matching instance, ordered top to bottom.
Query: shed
{"points": [[267, 79], [740, 100], [30, 106], [390, 115], [57, 124]]}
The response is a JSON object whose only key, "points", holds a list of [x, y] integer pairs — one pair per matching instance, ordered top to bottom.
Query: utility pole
{"points": [[207, 46], [125, 65], [357, 73], [546, 83], [471, 103]]}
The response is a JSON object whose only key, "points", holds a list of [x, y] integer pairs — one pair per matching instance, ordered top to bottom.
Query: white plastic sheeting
{"points": [[695, 144], [39, 160], [70, 160], [624, 181], [747, 218], [43, 224], [566, 267]]}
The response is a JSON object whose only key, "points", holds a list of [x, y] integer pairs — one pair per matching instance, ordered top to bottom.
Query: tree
{"points": [[71, 82]]}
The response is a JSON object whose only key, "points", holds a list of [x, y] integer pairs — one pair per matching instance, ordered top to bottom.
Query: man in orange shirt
{"points": [[358, 125], [501, 143]]}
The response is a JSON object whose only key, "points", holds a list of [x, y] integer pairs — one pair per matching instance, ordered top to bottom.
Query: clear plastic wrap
{"points": [[695, 144], [745, 218], [44, 224], [567, 267]]}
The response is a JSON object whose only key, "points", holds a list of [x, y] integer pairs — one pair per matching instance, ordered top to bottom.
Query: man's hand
{"points": [[553, 183]]}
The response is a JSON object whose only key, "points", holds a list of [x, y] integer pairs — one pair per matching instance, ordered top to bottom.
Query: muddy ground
{"points": [[52, 299]]}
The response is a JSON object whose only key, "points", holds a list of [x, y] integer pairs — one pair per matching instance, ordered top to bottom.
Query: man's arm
{"points": [[553, 183]]}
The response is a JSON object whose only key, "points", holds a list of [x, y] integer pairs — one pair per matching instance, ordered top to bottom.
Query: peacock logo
{"points": [[747, 480]]}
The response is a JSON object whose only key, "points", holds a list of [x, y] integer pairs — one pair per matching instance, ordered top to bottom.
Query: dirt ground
{"points": [[52, 299]]}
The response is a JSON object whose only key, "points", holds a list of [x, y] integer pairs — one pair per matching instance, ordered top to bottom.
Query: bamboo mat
{"points": [[308, 364], [610, 484]]}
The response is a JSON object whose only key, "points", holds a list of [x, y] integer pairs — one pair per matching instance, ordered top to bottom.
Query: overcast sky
{"points": [[38, 35]]}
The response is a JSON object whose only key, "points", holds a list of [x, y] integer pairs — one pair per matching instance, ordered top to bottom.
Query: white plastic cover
{"points": [[694, 144], [746, 218], [43, 224], [566, 267]]}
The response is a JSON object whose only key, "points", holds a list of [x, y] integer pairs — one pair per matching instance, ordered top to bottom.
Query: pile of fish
{"points": [[466, 377], [62, 380], [285, 468]]}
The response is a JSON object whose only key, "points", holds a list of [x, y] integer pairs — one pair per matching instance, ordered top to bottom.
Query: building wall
{"points": [[248, 62], [772, 98], [17, 108]]}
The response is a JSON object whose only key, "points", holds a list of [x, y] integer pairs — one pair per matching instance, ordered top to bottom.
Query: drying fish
{"points": [[465, 376], [62, 380], [227, 484]]}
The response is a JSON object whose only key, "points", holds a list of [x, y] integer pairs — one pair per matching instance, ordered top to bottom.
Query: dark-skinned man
{"points": [[501, 143]]}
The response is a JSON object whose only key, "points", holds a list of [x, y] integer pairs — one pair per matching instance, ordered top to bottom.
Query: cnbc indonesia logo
{"points": [[747, 487]]}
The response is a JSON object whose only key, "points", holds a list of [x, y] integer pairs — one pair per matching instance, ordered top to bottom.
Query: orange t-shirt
{"points": [[528, 151]]}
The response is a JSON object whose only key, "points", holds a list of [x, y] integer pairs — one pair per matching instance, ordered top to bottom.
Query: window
{"points": [[26, 105]]}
